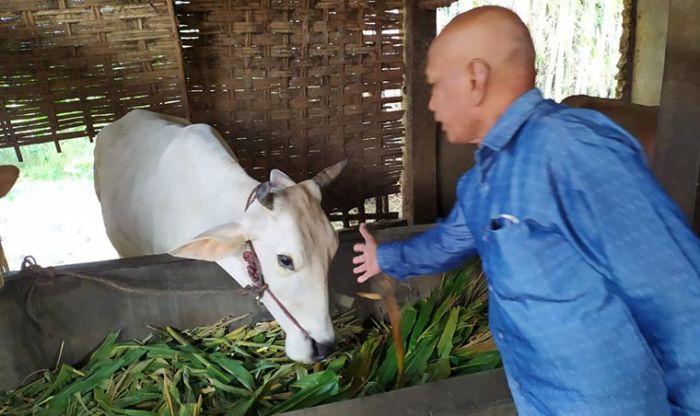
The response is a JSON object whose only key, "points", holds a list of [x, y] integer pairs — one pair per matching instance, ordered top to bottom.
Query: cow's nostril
{"points": [[322, 350]]}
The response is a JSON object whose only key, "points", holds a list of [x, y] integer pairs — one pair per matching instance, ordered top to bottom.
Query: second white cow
{"points": [[166, 185]]}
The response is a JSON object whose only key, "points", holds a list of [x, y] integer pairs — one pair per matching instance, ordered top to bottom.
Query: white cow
{"points": [[168, 186]]}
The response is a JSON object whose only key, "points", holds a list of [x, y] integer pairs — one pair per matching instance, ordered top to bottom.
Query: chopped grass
{"points": [[216, 370]]}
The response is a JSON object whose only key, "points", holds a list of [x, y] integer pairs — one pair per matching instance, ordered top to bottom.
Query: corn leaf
{"points": [[424, 316], [408, 321], [444, 345], [104, 351], [483, 361], [417, 362], [235, 368], [106, 369], [439, 370], [388, 371], [315, 388], [137, 398], [241, 408]]}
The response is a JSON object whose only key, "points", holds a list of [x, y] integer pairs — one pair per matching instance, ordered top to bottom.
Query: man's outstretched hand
{"points": [[366, 258]]}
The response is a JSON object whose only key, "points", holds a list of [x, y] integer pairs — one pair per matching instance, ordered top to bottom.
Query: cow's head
{"points": [[295, 244]]}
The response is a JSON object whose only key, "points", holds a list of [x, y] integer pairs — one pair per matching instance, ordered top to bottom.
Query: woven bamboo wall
{"points": [[68, 67], [292, 84], [301, 84]]}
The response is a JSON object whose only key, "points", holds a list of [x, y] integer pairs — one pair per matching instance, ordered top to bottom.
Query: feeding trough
{"points": [[71, 316]]}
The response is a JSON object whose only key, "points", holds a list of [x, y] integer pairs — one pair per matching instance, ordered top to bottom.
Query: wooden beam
{"points": [[650, 32], [627, 48], [677, 153], [419, 188]]}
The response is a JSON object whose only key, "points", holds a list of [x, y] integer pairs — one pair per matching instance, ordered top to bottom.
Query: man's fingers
{"points": [[365, 233], [359, 248], [361, 259], [365, 277]]}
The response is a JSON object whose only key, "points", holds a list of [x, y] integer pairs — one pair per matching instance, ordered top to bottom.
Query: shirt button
{"points": [[484, 188], [490, 288], [500, 335], [516, 385]]}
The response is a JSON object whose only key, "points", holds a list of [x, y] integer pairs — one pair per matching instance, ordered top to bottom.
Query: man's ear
{"points": [[478, 72], [214, 244]]}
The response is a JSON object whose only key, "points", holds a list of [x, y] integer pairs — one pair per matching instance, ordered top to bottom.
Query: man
{"points": [[594, 274]]}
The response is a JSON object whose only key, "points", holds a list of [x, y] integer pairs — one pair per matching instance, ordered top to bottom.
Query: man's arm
{"points": [[442, 248]]}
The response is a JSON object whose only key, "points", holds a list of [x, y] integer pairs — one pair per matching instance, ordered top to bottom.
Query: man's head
{"points": [[478, 65]]}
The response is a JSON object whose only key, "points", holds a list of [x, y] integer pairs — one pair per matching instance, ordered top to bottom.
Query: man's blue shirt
{"points": [[593, 272]]}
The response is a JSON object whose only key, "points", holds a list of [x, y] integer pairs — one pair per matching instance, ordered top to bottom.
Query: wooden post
{"points": [[628, 47], [181, 77], [677, 152], [419, 188]]}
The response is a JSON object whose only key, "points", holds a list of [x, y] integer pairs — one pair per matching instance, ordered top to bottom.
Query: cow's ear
{"points": [[280, 180], [214, 244]]}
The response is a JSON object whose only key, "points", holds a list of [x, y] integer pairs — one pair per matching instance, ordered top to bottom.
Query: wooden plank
{"points": [[677, 153], [419, 188]]}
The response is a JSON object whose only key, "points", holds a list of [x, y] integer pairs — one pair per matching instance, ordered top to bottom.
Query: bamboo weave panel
{"points": [[68, 67], [301, 84]]}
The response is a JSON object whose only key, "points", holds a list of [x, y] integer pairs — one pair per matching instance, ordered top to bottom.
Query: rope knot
{"points": [[31, 269], [256, 291]]}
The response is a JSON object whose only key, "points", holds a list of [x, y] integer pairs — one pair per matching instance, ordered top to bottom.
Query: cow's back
{"points": [[640, 120], [158, 179]]}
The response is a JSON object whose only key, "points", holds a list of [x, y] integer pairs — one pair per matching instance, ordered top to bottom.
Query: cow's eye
{"points": [[285, 261]]}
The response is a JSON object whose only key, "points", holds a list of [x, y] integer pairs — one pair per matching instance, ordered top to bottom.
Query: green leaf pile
{"points": [[215, 370]]}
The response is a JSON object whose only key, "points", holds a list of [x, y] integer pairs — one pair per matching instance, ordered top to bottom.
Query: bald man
{"points": [[593, 272]]}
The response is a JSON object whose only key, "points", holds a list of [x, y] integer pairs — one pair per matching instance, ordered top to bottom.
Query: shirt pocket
{"points": [[525, 259]]}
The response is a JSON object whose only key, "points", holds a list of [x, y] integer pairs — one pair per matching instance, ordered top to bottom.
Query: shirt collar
{"points": [[512, 119]]}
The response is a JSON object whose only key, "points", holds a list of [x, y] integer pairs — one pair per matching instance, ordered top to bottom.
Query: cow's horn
{"points": [[329, 174]]}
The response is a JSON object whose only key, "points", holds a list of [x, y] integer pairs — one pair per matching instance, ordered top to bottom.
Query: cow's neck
{"points": [[239, 185], [210, 193]]}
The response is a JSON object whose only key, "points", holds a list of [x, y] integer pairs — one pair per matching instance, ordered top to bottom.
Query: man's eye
{"points": [[285, 261]]}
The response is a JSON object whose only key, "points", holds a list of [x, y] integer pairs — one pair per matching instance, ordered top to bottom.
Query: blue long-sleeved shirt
{"points": [[593, 272]]}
